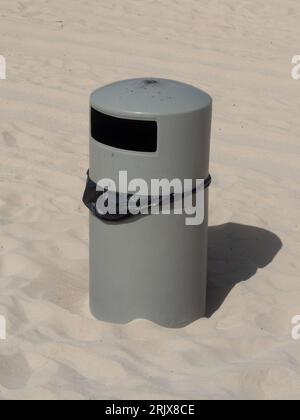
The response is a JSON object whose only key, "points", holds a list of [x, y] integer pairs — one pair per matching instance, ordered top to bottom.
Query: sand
{"points": [[240, 52]]}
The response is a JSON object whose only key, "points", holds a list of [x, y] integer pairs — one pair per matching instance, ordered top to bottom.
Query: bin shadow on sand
{"points": [[235, 253]]}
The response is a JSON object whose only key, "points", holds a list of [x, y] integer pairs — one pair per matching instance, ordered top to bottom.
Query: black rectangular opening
{"points": [[135, 135]]}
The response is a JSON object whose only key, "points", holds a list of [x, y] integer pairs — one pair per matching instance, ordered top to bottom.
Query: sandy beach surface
{"points": [[240, 52]]}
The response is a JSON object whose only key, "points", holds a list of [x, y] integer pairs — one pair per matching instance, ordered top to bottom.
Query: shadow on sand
{"points": [[235, 252]]}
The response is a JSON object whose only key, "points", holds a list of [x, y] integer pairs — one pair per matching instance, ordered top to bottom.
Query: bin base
{"points": [[152, 267]]}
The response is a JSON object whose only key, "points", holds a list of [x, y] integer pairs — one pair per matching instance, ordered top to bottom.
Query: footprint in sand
{"points": [[9, 139], [15, 371]]}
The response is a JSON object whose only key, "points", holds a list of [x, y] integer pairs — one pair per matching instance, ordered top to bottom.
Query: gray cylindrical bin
{"points": [[153, 266]]}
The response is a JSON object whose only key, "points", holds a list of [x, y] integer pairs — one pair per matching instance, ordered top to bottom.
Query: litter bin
{"points": [[148, 266]]}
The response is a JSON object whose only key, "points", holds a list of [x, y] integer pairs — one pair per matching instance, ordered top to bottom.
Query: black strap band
{"points": [[91, 196]]}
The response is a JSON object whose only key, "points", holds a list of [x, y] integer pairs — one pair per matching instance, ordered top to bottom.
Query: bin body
{"points": [[151, 266]]}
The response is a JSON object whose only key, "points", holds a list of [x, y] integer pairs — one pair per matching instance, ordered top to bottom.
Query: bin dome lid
{"points": [[149, 97]]}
